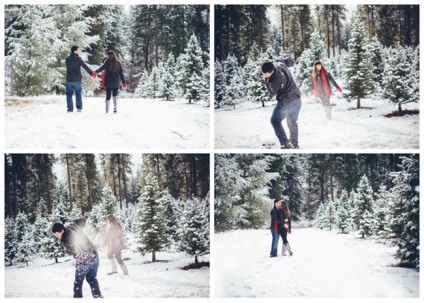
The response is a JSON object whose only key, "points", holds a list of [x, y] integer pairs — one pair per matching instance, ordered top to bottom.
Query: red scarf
{"points": [[324, 83], [102, 84]]}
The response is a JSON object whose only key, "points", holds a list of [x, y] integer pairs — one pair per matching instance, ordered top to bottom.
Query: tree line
{"points": [[239, 27], [32, 181]]}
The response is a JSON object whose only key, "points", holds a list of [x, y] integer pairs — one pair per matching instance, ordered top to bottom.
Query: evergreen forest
{"points": [[168, 193]]}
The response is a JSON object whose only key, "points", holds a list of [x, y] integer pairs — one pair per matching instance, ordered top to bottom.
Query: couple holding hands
{"points": [[111, 77]]}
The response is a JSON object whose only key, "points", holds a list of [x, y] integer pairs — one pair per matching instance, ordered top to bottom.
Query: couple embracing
{"points": [[113, 72], [280, 226]]}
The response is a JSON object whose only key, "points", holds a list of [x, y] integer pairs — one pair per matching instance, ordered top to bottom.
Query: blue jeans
{"points": [[70, 88], [290, 111], [274, 245], [88, 271]]}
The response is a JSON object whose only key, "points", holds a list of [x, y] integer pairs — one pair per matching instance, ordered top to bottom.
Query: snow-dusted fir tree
{"points": [[39, 40], [375, 49], [315, 52], [358, 70], [190, 71], [232, 76], [167, 79], [219, 79], [155, 81], [399, 81], [254, 83], [205, 84], [144, 88], [228, 186], [108, 205], [363, 207], [252, 208], [382, 209], [60, 212], [321, 216], [330, 216], [342, 217], [172, 218], [366, 224], [405, 224], [41, 230], [195, 232], [152, 234], [10, 241], [25, 249], [52, 249]]}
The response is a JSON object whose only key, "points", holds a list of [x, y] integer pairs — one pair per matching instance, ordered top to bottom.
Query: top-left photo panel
{"points": [[107, 77]]}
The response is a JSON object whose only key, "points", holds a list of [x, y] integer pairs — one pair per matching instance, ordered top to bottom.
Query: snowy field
{"points": [[43, 123], [248, 126], [324, 265], [44, 279]]}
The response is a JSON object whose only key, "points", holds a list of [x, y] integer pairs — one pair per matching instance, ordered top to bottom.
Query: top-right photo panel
{"points": [[317, 77]]}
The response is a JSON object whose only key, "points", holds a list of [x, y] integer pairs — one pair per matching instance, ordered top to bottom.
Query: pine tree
{"points": [[375, 49], [315, 52], [358, 71], [190, 76], [167, 79], [400, 80], [254, 83], [144, 88], [219, 91], [108, 205], [363, 208], [382, 209], [172, 215], [320, 216], [329, 217], [343, 219], [405, 223], [41, 230], [194, 234], [152, 235], [10, 241], [25, 248]]}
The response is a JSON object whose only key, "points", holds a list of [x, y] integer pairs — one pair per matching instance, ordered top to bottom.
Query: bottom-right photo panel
{"points": [[316, 225]]}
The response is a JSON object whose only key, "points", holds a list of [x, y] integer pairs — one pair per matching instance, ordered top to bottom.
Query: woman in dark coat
{"points": [[114, 73], [321, 79], [285, 227], [115, 243]]}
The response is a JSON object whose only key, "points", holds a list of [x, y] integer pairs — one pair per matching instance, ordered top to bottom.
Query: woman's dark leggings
{"points": [[109, 92], [283, 235]]}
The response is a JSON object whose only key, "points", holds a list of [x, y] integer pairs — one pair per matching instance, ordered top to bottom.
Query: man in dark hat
{"points": [[280, 82], [78, 245]]}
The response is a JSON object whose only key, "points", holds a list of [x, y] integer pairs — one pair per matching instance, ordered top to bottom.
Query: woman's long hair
{"points": [[115, 63], [315, 71], [285, 208], [112, 220]]}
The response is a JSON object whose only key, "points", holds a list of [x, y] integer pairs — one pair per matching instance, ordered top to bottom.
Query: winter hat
{"points": [[267, 67], [57, 227]]}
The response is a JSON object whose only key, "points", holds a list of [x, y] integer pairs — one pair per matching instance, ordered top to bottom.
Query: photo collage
{"points": [[252, 151]]}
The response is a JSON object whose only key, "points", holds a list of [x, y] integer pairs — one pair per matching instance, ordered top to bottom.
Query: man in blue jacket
{"points": [[73, 78]]}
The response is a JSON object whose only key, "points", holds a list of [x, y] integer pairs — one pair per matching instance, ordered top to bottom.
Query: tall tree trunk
{"points": [[333, 13], [282, 27], [338, 30], [328, 33], [193, 176], [87, 177], [124, 180], [119, 181], [69, 182], [153, 255]]}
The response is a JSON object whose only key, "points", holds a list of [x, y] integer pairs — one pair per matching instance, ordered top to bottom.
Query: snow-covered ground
{"points": [[43, 123], [248, 126], [324, 265], [45, 279]]}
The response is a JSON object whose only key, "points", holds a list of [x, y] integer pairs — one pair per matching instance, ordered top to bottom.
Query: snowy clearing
{"points": [[43, 123], [248, 126], [324, 265], [44, 279]]}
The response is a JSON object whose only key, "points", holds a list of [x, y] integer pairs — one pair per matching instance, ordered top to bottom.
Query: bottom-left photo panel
{"points": [[107, 225]]}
